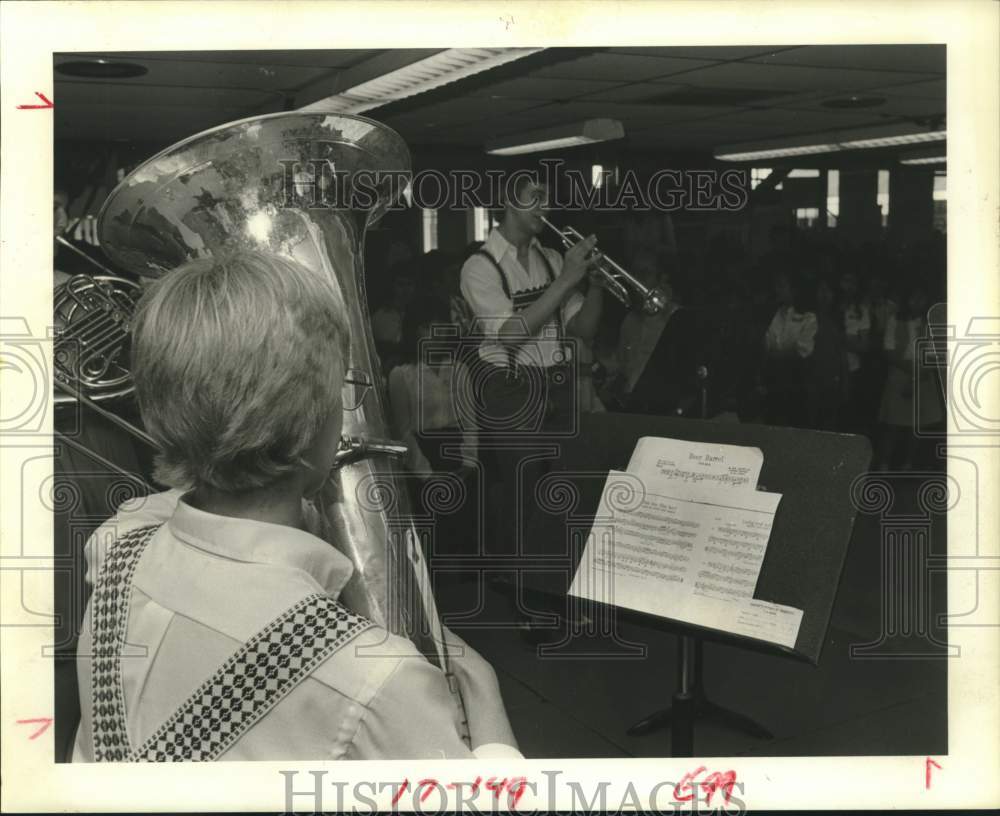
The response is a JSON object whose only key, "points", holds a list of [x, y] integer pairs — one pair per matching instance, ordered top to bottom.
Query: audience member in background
{"points": [[60, 222], [387, 320], [857, 329], [788, 342], [735, 353], [874, 368], [826, 373], [428, 390], [910, 392]]}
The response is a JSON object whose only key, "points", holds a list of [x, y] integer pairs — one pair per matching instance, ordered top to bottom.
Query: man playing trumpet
{"points": [[527, 306]]}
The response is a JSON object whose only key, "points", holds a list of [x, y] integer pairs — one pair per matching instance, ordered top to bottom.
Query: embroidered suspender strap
{"points": [[550, 273], [552, 276], [511, 353], [109, 614], [253, 681]]}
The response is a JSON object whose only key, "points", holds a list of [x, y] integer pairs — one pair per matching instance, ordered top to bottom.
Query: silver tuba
{"points": [[304, 186]]}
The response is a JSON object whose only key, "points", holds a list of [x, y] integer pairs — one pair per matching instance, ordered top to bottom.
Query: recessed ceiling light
{"points": [[101, 69], [852, 102]]}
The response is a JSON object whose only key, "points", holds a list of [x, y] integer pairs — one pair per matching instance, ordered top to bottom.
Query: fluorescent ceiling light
{"points": [[418, 77], [588, 132], [892, 141], [833, 142], [779, 152], [929, 155]]}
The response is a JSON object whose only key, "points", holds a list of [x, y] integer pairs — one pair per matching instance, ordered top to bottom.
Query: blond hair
{"points": [[238, 362]]}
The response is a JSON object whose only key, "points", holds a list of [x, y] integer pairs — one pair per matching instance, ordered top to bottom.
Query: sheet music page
{"points": [[696, 463], [681, 551]]}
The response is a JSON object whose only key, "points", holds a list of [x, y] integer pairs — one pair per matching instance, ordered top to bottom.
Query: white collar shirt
{"points": [[484, 291], [204, 586]]}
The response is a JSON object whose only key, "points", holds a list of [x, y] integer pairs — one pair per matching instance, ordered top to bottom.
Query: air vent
{"points": [[713, 96]]}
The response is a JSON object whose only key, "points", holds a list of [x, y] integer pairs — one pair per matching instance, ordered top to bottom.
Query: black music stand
{"points": [[814, 471]]}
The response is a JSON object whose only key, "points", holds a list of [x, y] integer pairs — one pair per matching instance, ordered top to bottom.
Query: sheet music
{"points": [[656, 459], [692, 553]]}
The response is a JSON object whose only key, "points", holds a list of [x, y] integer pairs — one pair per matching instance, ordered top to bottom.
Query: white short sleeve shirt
{"points": [[484, 291]]}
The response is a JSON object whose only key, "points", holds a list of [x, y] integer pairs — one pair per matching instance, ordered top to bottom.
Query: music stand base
{"points": [[689, 704], [703, 710]]}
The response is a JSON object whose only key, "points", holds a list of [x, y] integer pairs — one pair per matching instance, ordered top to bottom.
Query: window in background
{"points": [[804, 174], [757, 175], [597, 176], [883, 195], [832, 197], [941, 201], [806, 217], [430, 222], [480, 223]]}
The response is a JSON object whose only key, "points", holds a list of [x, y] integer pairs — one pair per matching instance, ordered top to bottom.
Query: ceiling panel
{"points": [[704, 52], [319, 58], [911, 58], [621, 67], [195, 74], [759, 75], [545, 87], [935, 89], [89, 93], [687, 98], [894, 106], [468, 108], [120, 123]]}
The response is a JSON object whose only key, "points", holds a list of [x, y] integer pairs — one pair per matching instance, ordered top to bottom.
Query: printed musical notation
{"points": [[692, 548]]}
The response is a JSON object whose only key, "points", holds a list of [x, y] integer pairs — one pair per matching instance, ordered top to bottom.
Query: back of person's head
{"points": [[238, 362]]}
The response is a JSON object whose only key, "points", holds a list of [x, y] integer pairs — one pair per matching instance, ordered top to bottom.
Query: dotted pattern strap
{"points": [[525, 297], [109, 611], [253, 681]]}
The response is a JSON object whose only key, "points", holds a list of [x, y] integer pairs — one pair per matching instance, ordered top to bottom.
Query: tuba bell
{"points": [[265, 184]]}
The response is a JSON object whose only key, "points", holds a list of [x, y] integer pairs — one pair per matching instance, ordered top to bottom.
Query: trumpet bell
{"points": [[654, 302]]}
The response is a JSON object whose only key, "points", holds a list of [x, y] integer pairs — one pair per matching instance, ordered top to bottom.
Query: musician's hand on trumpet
{"points": [[580, 260]]}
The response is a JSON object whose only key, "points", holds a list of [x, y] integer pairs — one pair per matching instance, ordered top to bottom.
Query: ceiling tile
{"points": [[703, 52], [318, 58], [925, 59], [622, 67], [180, 73], [790, 77], [544, 87], [935, 89], [120, 94], [894, 106]]}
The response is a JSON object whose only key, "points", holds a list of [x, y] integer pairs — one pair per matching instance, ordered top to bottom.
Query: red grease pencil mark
{"points": [[46, 106], [46, 722], [927, 772], [687, 788], [402, 790]]}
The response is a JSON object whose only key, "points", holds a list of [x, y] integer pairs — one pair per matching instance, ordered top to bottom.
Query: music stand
{"points": [[814, 471]]}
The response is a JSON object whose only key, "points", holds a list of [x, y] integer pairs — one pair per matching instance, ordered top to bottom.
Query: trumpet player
{"points": [[527, 305], [214, 629]]}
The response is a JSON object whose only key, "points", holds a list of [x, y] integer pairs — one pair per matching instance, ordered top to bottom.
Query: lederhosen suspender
{"points": [[523, 299], [247, 686]]}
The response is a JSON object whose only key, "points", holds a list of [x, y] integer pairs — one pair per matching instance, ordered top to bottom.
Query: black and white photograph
{"points": [[518, 404]]}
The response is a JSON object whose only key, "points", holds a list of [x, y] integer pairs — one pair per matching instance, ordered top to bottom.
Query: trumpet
{"points": [[631, 291]]}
